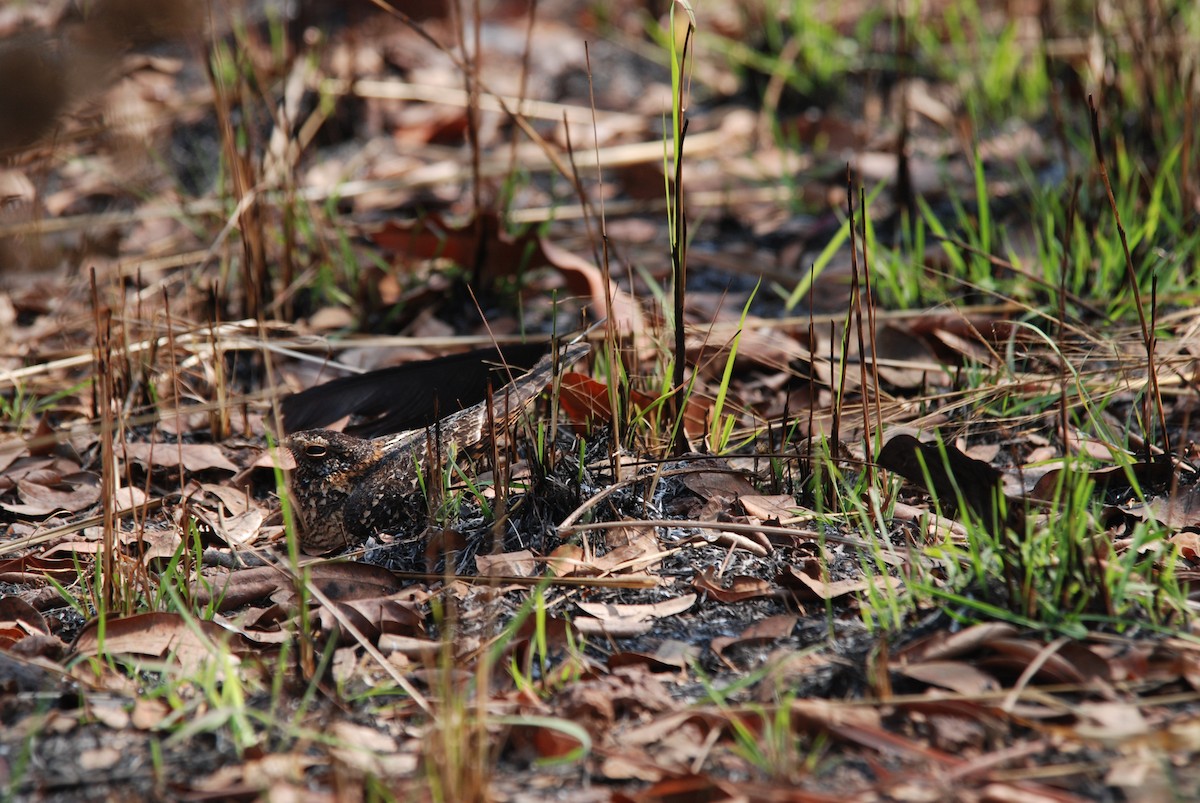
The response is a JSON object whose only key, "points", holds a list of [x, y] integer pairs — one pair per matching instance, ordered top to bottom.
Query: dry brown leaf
{"points": [[504, 256], [912, 364], [10, 451], [194, 457], [1148, 475], [713, 479], [40, 500], [235, 500], [775, 507], [1176, 510], [237, 530], [624, 536], [1188, 544], [639, 555], [566, 560], [508, 564], [36, 568], [350, 580], [339, 581], [739, 588], [814, 588], [234, 589], [657, 610], [17, 615], [374, 617], [626, 621], [772, 628], [160, 636], [944, 645], [415, 649], [671, 655], [1016, 655], [957, 676], [628, 693], [148, 713], [114, 716], [1111, 723], [657, 729], [371, 751], [99, 758], [689, 787]]}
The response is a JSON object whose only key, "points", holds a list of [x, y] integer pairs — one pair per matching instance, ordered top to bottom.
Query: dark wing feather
{"points": [[409, 396]]}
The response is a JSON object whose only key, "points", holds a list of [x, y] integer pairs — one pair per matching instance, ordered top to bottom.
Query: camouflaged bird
{"points": [[346, 489]]}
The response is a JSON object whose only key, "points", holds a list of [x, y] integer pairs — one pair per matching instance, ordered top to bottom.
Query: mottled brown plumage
{"points": [[346, 489]]}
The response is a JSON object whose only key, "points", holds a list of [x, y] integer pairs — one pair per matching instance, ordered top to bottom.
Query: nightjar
{"points": [[345, 489]]}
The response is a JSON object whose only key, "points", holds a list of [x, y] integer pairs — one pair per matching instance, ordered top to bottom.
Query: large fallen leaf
{"points": [[10, 450], [193, 457], [1149, 476], [712, 478], [42, 500], [777, 508], [507, 564], [35, 569], [814, 588], [738, 589], [374, 617], [629, 620], [770, 629], [190, 643], [944, 645], [670, 655], [957, 676], [370, 751]]}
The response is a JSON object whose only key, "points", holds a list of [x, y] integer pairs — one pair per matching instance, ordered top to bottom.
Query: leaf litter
{"points": [[744, 657]]}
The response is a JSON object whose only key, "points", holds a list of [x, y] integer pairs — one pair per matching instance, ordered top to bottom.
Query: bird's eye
{"points": [[315, 450]]}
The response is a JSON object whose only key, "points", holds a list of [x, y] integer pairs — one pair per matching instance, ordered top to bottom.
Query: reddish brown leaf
{"points": [[586, 401], [10, 451], [34, 568], [338, 581], [17, 613], [699, 788]]}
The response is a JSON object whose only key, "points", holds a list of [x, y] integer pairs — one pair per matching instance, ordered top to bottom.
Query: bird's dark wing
{"points": [[410, 396]]}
